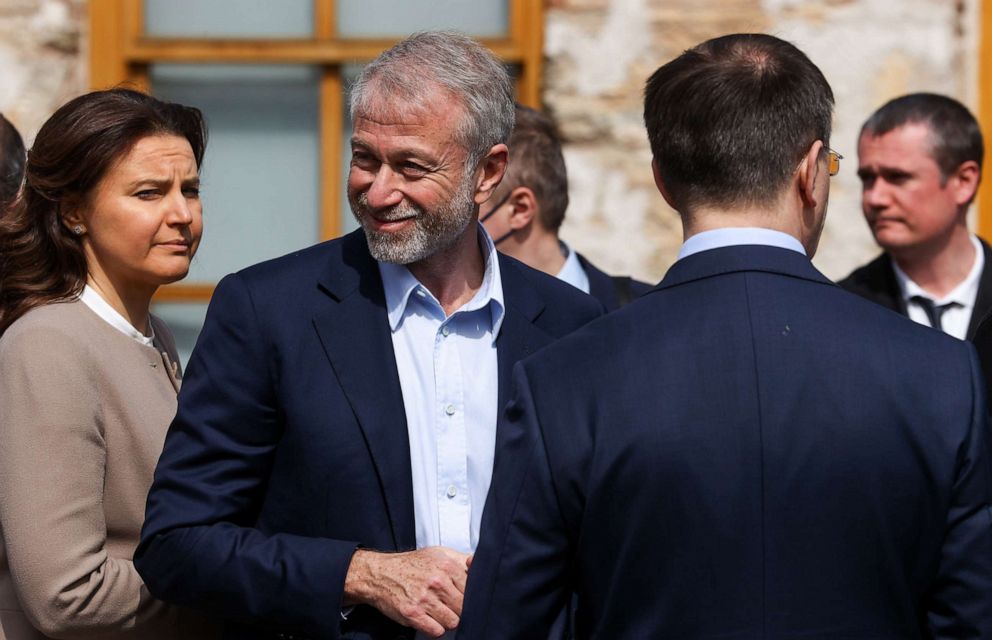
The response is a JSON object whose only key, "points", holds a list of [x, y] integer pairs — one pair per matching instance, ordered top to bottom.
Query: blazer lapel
{"points": [[983, 301], [519, 336], [356, 338]]}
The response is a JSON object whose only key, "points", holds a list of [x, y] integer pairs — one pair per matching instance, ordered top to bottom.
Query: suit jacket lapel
{"points": [[889, 293], [983, 301], [354, 331], [519, 336]]}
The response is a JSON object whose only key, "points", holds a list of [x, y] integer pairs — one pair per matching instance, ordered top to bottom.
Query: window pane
{"points": [[392, 18], [219, 19], [260, 174], [185, 321]]}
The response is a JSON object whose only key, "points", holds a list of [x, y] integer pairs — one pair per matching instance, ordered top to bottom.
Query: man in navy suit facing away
{"points": [[750, 451]]}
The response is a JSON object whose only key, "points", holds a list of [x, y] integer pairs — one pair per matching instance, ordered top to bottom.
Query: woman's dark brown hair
{"points": [[41, 261]]}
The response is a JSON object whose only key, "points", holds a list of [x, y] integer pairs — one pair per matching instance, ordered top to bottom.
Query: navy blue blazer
{"points": [[613, 292], [290, 445], [750, 452]]}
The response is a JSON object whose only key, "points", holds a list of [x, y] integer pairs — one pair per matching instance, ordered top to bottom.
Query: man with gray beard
{"points": [[326, 472]]}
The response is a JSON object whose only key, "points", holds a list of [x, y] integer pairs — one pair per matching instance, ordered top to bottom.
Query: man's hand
{"points": [[422, 589]]}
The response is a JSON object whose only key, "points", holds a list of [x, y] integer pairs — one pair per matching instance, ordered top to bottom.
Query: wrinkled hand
{"points": [[422, 589]]}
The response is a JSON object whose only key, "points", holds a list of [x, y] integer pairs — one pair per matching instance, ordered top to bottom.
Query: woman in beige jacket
{"points": [[109, 211]]}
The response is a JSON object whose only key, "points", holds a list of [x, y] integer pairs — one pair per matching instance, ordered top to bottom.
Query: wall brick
{"points": [[599, 54], [41, 59]]}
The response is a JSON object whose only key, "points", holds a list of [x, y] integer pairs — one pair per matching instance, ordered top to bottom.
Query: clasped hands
{"points": [[422, 589]]}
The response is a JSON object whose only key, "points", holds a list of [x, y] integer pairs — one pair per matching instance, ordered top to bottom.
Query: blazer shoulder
{"points": [[337, 265], [292, 266], [872, 277], [607, 288], [562, 303], [59, 326]]}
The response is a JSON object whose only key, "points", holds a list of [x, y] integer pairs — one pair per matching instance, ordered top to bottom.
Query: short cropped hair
{"points": [[412, 70], [730, 119], [955, 137], [12, 157], [536, 162]]}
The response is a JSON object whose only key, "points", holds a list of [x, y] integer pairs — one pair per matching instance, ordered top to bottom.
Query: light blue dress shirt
{"points": [[732, 236], [572, 271], [449, 377]]}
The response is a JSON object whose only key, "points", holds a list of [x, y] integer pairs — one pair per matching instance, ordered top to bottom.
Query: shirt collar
{"points": [[732, 236], [572, 271], [399, 285], [964, 294], [92, 299]]}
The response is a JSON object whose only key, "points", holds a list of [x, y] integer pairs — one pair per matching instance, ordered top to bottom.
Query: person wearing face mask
{"points": [[529, 207]]}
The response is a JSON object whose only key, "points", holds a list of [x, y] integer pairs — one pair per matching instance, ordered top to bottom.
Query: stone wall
{"points": [[600, 52], [42, 59]]}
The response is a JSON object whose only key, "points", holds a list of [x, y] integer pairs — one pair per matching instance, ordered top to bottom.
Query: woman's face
{"points": [[142, 222]]}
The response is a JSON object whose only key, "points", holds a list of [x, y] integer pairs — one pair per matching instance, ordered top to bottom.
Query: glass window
{"points": [[389, 18], [222, 19], [261, 171], [185, 320]]}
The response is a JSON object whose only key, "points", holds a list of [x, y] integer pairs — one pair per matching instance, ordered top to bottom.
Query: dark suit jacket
{"points": [[876, 281], [612, 292], [290, 445], [755, 454]]}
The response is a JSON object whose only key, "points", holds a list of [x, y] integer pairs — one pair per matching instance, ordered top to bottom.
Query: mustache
{"points": [[400, 211]]}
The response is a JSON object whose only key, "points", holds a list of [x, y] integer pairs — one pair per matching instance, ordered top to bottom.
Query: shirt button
{"points": [[445, 331], [450, 409], [452, 491]]}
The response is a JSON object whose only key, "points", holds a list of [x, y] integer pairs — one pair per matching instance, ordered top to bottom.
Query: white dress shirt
{"points": [[732, 236], [572, 271], [92, 299], [955, 319], [448, 374]]}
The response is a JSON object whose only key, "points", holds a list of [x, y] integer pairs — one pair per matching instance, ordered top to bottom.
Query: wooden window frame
{"points": [[121, 53]]}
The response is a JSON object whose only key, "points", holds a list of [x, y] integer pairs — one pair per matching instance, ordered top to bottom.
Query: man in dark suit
{"points": [[920, 162], [528, 209], [750, 451], [327, 468]]}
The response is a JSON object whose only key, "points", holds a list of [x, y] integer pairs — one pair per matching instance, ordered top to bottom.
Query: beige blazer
{"points": [[83, 414]]}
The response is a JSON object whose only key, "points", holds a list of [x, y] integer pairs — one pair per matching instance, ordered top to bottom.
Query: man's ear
{"points": [[490, 172], [808, 172], [965, 181], [658, 182], [526, 208]]}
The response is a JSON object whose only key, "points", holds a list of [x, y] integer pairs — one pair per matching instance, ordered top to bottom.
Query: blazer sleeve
{"points": [[52, 463], [199, 545], [517, 584], [960, 602]]}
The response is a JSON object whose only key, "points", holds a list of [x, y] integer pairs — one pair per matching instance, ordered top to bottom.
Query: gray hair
{"points": [[412, 70]]}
